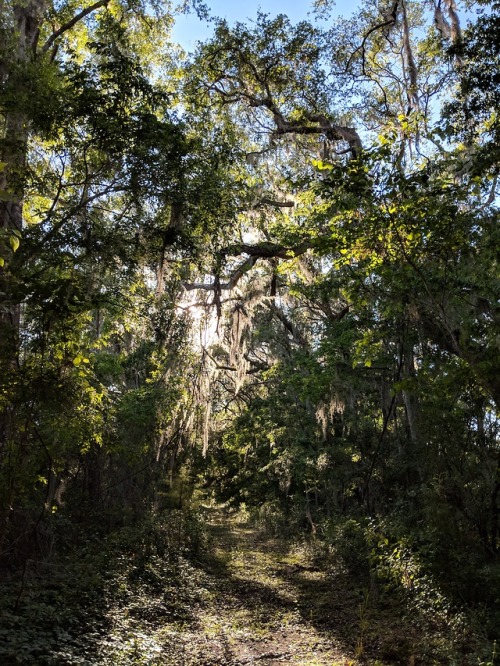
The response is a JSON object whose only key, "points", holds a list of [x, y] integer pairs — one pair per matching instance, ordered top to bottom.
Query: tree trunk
{"points": [[26, 19]]}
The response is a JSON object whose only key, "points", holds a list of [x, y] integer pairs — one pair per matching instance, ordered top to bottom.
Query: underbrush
{"points": [[276, 519], [419, 599], [108, 601], [409, 610]]}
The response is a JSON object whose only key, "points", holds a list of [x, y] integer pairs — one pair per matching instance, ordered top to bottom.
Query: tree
{"points": [[106, 190], [383, 248], [282, 255]]}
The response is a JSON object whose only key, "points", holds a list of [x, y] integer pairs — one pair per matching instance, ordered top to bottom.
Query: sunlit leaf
{"points": [[14, 243]]}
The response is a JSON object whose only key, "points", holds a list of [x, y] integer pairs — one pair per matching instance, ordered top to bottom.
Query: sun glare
{"points": [[202, 313]]}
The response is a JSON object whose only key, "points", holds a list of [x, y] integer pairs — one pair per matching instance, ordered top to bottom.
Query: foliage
{"points": [[270, 271], [80, 609]]}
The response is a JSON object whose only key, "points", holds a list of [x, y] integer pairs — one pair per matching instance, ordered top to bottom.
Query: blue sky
{"points": [[189, 28]]}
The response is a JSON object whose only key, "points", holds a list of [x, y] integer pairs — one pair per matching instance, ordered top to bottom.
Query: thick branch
{"points": [[324, 126], [278, 204], [268, 250], [256, 252], [231, 283]]}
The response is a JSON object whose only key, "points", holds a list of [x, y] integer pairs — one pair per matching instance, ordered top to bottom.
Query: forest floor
{"points": [[143, 598]]}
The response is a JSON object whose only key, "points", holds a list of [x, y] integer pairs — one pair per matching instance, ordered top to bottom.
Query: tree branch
{"points": [[67, 26], [283, 126], [323, 126], [278, 204], [269, 250], [256, 252], [231, 283], [289, 326]]}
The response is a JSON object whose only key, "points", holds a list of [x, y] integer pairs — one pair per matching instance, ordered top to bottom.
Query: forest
{"points": [[249, 336]]}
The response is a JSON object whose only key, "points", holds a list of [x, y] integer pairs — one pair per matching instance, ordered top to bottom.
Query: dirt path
{"points": [[249, 599], [263, 604]]}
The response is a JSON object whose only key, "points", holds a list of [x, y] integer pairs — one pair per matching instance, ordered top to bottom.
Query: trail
{"points": [[247, 598], [265, 604]]}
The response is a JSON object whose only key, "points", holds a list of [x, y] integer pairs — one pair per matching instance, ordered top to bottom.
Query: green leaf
{"points": [[319, 164], [14, 243], [2, 262]]}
